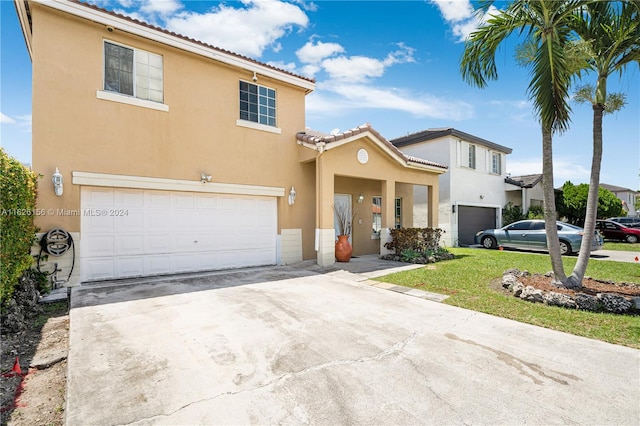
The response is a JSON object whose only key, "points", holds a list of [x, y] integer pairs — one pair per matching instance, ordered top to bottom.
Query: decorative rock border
{"points": [[602, 302]]}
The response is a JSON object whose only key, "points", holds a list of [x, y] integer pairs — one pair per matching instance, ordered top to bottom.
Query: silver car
{"points": [[531, 235]]}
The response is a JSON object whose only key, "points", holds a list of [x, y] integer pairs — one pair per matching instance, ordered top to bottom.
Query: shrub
{"points": [[18, 189], [535, 212], [511, 213], [424, 241]]}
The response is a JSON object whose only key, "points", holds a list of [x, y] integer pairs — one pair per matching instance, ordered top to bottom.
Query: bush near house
{"points": [[18, 189], [511, 213], [416, 245]]}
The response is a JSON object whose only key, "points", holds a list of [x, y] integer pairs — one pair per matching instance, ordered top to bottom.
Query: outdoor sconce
{"points": [[204, 178], [57, 183], [292, 196], [360, 198], [453, 208]]}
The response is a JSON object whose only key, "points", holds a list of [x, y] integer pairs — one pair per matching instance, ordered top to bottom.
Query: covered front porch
{"points": [[363, 171]]}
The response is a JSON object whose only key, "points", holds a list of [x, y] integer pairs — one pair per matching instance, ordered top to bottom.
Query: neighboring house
{"points": [[178, 156], [524, 191], [472, 194], [627, 196]]}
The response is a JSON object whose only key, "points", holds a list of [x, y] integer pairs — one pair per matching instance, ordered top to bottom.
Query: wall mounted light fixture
{"points": [[255, 77], [204, 178], [57, 183], [292, 196], [360, 198]]}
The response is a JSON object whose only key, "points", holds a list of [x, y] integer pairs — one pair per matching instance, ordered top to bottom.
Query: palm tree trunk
{"points": [[553, 244], [575, 280]]}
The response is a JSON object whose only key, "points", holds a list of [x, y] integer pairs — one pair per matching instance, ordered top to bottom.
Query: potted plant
{"points": [[344, 217]]}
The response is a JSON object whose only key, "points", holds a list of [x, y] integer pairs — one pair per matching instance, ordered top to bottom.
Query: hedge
{"points": [[18, 189], [419, 240]]}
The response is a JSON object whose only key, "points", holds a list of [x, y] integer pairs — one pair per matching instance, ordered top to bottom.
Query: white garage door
{"points": [[129, 232]]}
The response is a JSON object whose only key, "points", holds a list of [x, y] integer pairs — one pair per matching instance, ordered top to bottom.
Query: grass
{"points": [[621, 246], [467, 280]]}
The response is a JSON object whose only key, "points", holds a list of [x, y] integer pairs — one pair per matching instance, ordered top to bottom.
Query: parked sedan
{"points": [[629, 222], [615, 231], [531, 235]]}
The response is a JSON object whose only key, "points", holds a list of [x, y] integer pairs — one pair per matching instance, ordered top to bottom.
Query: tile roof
{"points": [[191, 40], [434, 133], [314, 137], [525, 181], [614, 188]]}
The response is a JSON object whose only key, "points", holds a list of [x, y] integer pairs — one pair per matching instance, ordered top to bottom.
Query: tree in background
{"points": [[547, 24], [611, 33], [574, 200]]}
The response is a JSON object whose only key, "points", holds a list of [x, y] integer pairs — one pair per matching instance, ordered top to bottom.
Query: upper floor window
{"points": [[133, 72], [257, 104], [472, 157], [496, 163]]}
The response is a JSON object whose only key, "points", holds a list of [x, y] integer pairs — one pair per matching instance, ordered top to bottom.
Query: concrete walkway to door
{"points": [[295, 345]]}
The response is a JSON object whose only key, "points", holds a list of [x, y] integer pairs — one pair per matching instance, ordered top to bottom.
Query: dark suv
{"points": [[629, 222]]}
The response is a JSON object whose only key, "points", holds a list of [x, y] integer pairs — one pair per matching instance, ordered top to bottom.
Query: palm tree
{"points": [[547, 23], [611, 32]]}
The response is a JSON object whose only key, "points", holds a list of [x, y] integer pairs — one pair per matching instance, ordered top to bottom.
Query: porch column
{"points": [[388, 191], [434, 207], [325, 235]]}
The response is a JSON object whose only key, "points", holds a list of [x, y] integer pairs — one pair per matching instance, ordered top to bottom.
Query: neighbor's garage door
{"points": [[474, 219], [129, 233]]}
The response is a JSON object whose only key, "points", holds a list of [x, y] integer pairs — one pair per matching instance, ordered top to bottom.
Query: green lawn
{"points": [[609, 245], [467, 279]]}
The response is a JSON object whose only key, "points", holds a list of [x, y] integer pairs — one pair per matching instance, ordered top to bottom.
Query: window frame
{"points": [[117, 96], [259, 106], [471, 156], [496, 163], [376, 201], [397, 213]]}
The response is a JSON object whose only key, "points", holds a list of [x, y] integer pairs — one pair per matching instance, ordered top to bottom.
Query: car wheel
{"points": [[632, 239], [489, 242], [565, 248]]}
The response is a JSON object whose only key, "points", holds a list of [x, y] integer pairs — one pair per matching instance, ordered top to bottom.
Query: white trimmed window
{"points": [[133, 72], [257, 104], [471, 159], [496, 163], [376, 210], [398, 213]]}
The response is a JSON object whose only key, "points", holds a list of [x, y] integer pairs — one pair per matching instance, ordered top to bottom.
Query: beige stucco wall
{"points": [[75, 131], [340, 172]]}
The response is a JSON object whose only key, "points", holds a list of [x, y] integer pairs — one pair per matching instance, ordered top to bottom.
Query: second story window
{"points": [[133, 72], [257, 104], [472, 157], [496, 163]]}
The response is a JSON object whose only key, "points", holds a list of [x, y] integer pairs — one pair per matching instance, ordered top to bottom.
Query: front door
{"points": [[342, 201]]}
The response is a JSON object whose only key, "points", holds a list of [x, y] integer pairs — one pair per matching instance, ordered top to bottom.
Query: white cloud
{"points": [[160, 7], [454, 10], [460, 15], [248, 30], [312, 53], [288, 66], [363, 68], [363, 96], [6, 119], [24, 121]]}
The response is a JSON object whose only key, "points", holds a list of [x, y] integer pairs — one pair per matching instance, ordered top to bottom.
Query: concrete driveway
{"points": [[287, 345]]}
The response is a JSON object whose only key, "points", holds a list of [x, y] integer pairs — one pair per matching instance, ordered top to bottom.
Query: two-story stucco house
{"points": [[175, 156], [473, 193], [627, 196]]}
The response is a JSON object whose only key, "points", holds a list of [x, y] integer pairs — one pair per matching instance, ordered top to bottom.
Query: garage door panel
{"points": [[95, 197], [128, 199], [128, 219], [97, 222], [167, 232], [98, 245], [129, 245], [157, 265], [129, 267], [99, 269]]}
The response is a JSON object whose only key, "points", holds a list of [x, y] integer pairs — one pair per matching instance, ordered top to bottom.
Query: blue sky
{"points": [[393, 64]]}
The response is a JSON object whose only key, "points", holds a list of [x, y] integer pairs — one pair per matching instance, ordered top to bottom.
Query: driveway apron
{"points": [[284, 345]]}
